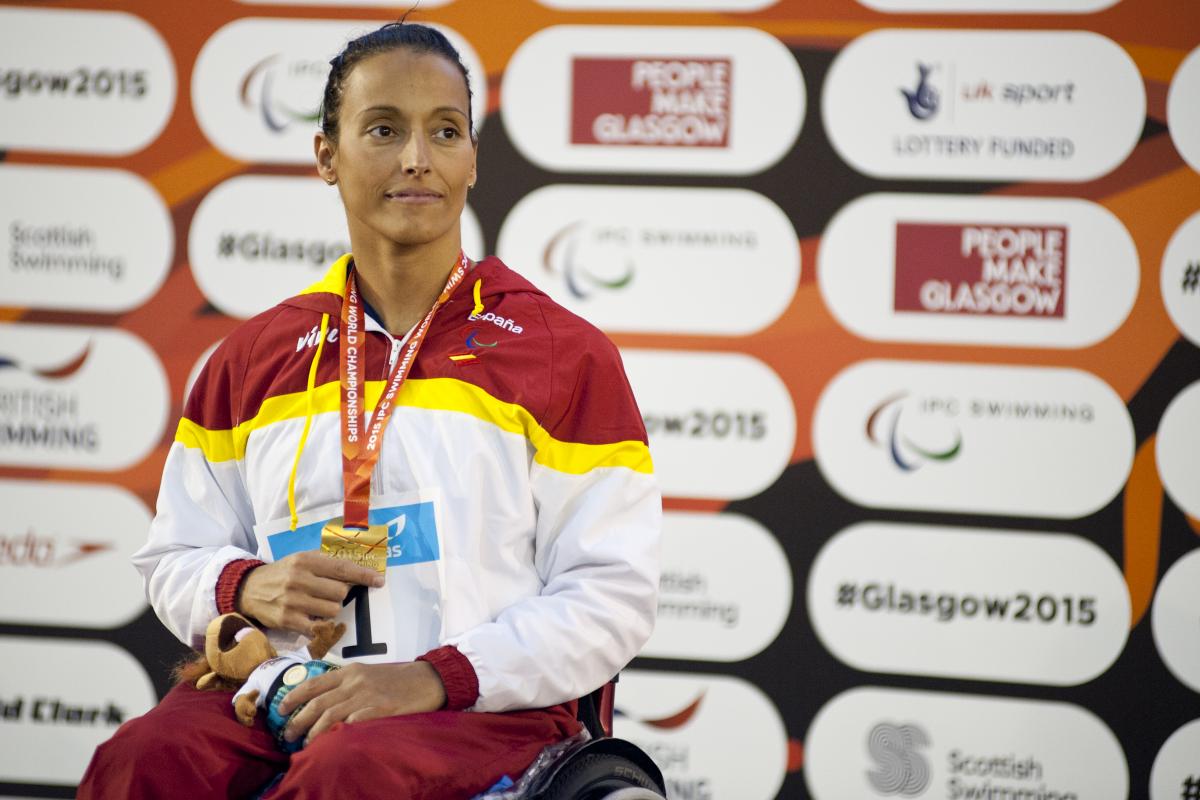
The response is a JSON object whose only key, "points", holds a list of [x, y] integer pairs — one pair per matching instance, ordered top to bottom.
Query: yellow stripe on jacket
{"points": [[435, 394]]}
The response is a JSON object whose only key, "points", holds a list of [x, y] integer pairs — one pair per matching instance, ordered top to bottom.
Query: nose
{"points": [[414, 156]]}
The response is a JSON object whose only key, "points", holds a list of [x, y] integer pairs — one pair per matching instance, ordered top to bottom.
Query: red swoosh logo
{"points": [[68, 369], [65, 371], [85, 549], [678, 719]]}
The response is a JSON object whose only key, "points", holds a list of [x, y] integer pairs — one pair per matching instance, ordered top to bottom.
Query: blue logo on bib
{"points": [[412, 535]]}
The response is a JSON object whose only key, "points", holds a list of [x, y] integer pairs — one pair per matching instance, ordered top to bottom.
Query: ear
{"points": [[326, 155], [471, 181], [325, 635]]}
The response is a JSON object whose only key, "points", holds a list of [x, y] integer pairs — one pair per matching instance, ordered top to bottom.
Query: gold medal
{"points": [[367, 547], [295, 675]]}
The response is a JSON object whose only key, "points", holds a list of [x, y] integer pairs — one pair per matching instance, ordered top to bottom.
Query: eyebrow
{"points": [[394, 110]]}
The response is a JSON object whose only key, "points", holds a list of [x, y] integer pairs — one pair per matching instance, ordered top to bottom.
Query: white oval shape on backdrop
{"points": [[343, 3], [659, 5], [990, 6], [258, 81], [88, 82], [653, 99], [956, 105], [1183, 109], [81, 239], [258, 239], [613, 253], [1051, 272], [1179, 279], [194, 372], [79, 398], [721, 425], [973, 438], [1177, 450], [65, 550], [969, 603], [708, 610], [1173, 619], [62, 699], [684, 722], [871, 742], [1175, 765]]}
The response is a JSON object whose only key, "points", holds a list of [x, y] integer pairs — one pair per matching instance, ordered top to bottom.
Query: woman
{"points": [[513, 488]]}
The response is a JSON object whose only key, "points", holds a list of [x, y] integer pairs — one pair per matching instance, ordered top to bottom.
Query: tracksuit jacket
{"points": [[516, 434]]}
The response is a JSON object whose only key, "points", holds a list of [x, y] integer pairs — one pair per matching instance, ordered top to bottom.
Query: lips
{"points": [[416, 196]]}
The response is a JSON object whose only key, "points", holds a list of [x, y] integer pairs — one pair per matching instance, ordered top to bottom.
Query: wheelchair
{"points": [[596, 767], [602, 767]]}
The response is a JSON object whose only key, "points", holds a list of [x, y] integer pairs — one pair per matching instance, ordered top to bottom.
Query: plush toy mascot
{"points": [[239, 658]]}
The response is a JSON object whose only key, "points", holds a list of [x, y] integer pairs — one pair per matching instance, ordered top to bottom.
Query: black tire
{"points": [[594, 775]]}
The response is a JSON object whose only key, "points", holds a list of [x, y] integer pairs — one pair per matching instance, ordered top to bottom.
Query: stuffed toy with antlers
{"points": [[238, 657]]}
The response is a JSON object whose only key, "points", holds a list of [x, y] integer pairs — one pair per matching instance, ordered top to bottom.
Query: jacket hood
{"points": [[325, 296]]}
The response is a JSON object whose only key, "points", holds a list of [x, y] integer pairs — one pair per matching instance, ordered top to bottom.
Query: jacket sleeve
{"points": [[204, 519], [596, 546]]}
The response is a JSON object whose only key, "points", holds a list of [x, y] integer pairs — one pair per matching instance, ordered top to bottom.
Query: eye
{"points": [[381, 130], [448, 133]]}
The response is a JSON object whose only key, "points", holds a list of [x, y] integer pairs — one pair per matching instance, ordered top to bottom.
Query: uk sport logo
{"points": [[923, 100]]}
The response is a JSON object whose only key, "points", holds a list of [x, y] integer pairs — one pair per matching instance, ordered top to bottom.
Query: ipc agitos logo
{"points": [[282, 92], [561, 257], [883, 429]]}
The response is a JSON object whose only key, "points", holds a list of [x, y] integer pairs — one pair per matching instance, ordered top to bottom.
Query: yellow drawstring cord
{"points": [[478, 300], [308, 411]]}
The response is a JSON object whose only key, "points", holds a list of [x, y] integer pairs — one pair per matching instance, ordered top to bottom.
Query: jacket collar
{"points": [[325, 296]]}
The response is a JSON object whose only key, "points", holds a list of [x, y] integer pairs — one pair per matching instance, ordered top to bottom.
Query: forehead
{"points": [[407, 80]]}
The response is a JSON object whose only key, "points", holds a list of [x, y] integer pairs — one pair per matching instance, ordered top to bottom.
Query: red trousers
{"points": [[190, 745]]}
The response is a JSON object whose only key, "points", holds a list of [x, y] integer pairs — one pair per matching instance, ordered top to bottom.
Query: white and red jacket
{"points": [[517, 422]]}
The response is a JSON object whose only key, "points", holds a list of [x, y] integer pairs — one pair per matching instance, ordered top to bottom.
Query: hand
{"points": [[290, 594], [361, 691]]}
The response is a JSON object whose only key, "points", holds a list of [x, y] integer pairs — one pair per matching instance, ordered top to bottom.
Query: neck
{"points": [[402, 283]]}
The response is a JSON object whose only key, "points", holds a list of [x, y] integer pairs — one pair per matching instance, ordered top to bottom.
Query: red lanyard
{"points": [[362, 434]]}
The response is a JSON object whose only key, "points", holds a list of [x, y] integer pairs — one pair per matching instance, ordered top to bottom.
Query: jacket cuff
{"points": [[230, 581], [457, 674]]}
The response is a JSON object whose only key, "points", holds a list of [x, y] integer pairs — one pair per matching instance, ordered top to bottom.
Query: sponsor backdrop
{"points": [[909, 292]]}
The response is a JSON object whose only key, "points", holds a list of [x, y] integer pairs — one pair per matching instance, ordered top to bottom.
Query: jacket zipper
{"points": [[392, 358]]}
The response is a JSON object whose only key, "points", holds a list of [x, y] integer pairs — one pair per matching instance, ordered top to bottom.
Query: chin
{"points": [[412, 236]]}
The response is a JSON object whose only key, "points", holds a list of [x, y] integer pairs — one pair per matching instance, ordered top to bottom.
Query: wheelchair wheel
{"points": [[596, 775]]}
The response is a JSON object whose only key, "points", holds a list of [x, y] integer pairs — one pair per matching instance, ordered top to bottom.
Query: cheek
{"points": [[464, 171]]}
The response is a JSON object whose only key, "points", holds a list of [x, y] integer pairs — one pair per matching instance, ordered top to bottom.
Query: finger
{"points": [[342, 570], [307, 575], [327, 588], [315, 608], [302, 621], [309, 691], [371, 712], [307, 715], [331, 716], [297, 727]]}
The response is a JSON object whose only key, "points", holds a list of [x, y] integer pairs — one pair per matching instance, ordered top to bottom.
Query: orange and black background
{"points": [[1146, 361]]}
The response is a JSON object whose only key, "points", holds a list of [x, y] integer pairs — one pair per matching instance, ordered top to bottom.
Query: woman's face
{"points": [[404, 155]]}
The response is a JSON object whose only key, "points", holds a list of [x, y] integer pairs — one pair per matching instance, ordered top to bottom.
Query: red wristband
{"points": [[230, 582], [457, 674]]}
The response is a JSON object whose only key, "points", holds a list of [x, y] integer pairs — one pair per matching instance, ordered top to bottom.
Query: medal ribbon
{"points": [[362, 433]]}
